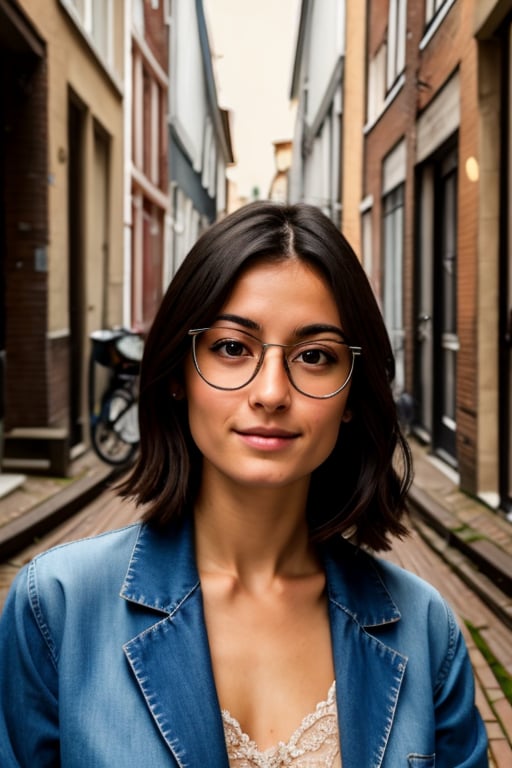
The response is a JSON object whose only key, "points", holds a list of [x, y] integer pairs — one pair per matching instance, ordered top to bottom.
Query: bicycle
{"points": [[114, 425]]}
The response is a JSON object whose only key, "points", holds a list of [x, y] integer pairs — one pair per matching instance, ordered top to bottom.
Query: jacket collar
{"points": [[162, 569], [353, 578], [354, 584], [171, 659], [172, 662], [368, 672]]}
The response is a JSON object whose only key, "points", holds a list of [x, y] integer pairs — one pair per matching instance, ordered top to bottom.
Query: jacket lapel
{"points": [[171, 659], [172, 664], [368, 673]]}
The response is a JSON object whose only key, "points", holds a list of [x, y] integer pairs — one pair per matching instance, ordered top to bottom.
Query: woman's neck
{"points": [[254, 535]]}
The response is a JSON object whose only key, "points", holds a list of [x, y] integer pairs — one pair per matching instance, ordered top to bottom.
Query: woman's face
{"points": [[267, 434]]}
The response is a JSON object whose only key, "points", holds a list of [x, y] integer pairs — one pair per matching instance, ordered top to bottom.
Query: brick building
{"points": [[146, 158], [418, 172], [61, 190], [434, 223]]}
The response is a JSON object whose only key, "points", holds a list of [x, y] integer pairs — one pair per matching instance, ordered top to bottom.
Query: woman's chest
{"points": [[272, 661]]}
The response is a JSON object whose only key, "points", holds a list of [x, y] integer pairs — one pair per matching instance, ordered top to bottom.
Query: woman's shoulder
{"points": [[109, 546], [73, 564], [399, 580], [373, 583], [413, 594], [419, 604]]}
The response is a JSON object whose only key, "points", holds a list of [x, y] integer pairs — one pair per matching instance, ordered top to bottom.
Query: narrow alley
{"points": [[478, 622]]}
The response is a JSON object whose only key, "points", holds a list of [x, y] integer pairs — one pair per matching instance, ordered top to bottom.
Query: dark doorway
{"points": [[76, 288], [436, 338], [446, 341]]}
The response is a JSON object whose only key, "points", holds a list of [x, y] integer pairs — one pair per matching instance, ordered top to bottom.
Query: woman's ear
{"points": [[177, 390]]}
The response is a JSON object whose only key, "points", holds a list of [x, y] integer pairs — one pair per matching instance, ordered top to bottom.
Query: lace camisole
{"points": [[315, 743]]}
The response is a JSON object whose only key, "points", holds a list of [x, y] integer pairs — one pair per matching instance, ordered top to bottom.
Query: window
{"points": [[431, 8], [435, 13], [95, 16], [138, 16], [397, 32], [376, 85], [149, 126], [322, 166], [393, 232], [366, 240]]}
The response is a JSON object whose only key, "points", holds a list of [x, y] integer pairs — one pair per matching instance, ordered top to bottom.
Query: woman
{"points": [[245, 623]]}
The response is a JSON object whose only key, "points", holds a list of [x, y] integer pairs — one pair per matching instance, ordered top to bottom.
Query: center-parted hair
{"points": [[362, 485]]}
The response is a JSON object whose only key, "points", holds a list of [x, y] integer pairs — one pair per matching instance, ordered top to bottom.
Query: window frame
{"points": [[84, 13], [435, 13], [396, 41], [393, 247]]}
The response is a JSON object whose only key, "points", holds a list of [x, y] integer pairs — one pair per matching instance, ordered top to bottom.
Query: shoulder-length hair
{"points": [[360, 489]]}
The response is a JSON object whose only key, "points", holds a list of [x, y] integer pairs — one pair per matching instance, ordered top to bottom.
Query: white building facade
{"points": [[317, 87]]}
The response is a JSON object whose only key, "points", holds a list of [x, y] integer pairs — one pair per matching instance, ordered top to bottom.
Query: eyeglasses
{"points": [[229, 359]]}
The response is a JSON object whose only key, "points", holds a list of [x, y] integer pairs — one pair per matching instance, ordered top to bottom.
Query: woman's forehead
{"points": [[291, 290]]}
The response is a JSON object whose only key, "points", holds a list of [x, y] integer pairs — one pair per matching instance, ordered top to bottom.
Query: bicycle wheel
{"points": [[115, 433]]}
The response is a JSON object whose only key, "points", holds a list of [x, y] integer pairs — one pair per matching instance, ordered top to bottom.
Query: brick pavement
{"points": [[484, 534]]}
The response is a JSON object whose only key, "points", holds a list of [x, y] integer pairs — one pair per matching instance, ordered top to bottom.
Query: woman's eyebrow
{"points": [[243, 321], [316, 328], [313, 329]]}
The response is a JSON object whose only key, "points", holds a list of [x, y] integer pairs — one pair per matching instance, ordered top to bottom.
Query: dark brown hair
{"points": [[362, 485]]}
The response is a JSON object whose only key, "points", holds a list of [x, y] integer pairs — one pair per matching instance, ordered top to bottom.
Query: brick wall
{"points": [[377, 24], [157, 33], [157, 38], [26, 213], [467, 243]]}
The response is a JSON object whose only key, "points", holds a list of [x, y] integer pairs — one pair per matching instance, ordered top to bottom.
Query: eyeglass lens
{"points": [[229, 359]]}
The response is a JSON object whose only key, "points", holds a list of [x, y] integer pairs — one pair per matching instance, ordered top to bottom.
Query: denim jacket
{"points": [[104, 662]]}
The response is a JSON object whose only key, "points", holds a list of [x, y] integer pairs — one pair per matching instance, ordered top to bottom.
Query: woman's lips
{"points": [[265, 438]]}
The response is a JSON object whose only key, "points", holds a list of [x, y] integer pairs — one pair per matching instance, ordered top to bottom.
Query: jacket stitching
{"points": [[38, 613]]}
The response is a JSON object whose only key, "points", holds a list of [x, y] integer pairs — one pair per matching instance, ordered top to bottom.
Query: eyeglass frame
{"points": [[356, 351]]}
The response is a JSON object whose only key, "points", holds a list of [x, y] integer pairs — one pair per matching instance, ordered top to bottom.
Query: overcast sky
{"points": [[253, 43]]}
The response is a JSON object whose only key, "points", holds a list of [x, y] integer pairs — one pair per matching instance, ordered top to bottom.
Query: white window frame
{"points": [[432, 7], [82, 13], [435, 13], [138, 16], [396, 40], [376, 86], [156, 129], [367, 244], [393, 286]]}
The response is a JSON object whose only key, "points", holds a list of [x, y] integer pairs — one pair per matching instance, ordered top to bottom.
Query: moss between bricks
{"points": [[467, 534], [500, 673]]}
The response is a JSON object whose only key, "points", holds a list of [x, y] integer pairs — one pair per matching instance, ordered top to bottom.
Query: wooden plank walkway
{"points": [[108, 512], [103, 514]]}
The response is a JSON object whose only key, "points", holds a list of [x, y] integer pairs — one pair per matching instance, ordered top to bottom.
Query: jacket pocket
{"points": [[421, 761]]}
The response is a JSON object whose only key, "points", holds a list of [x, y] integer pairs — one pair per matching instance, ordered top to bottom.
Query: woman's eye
{"points": [[230, 348], [315, 356]]}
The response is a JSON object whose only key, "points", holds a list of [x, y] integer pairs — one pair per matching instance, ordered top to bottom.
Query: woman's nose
{"points": [[271, 388]]}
